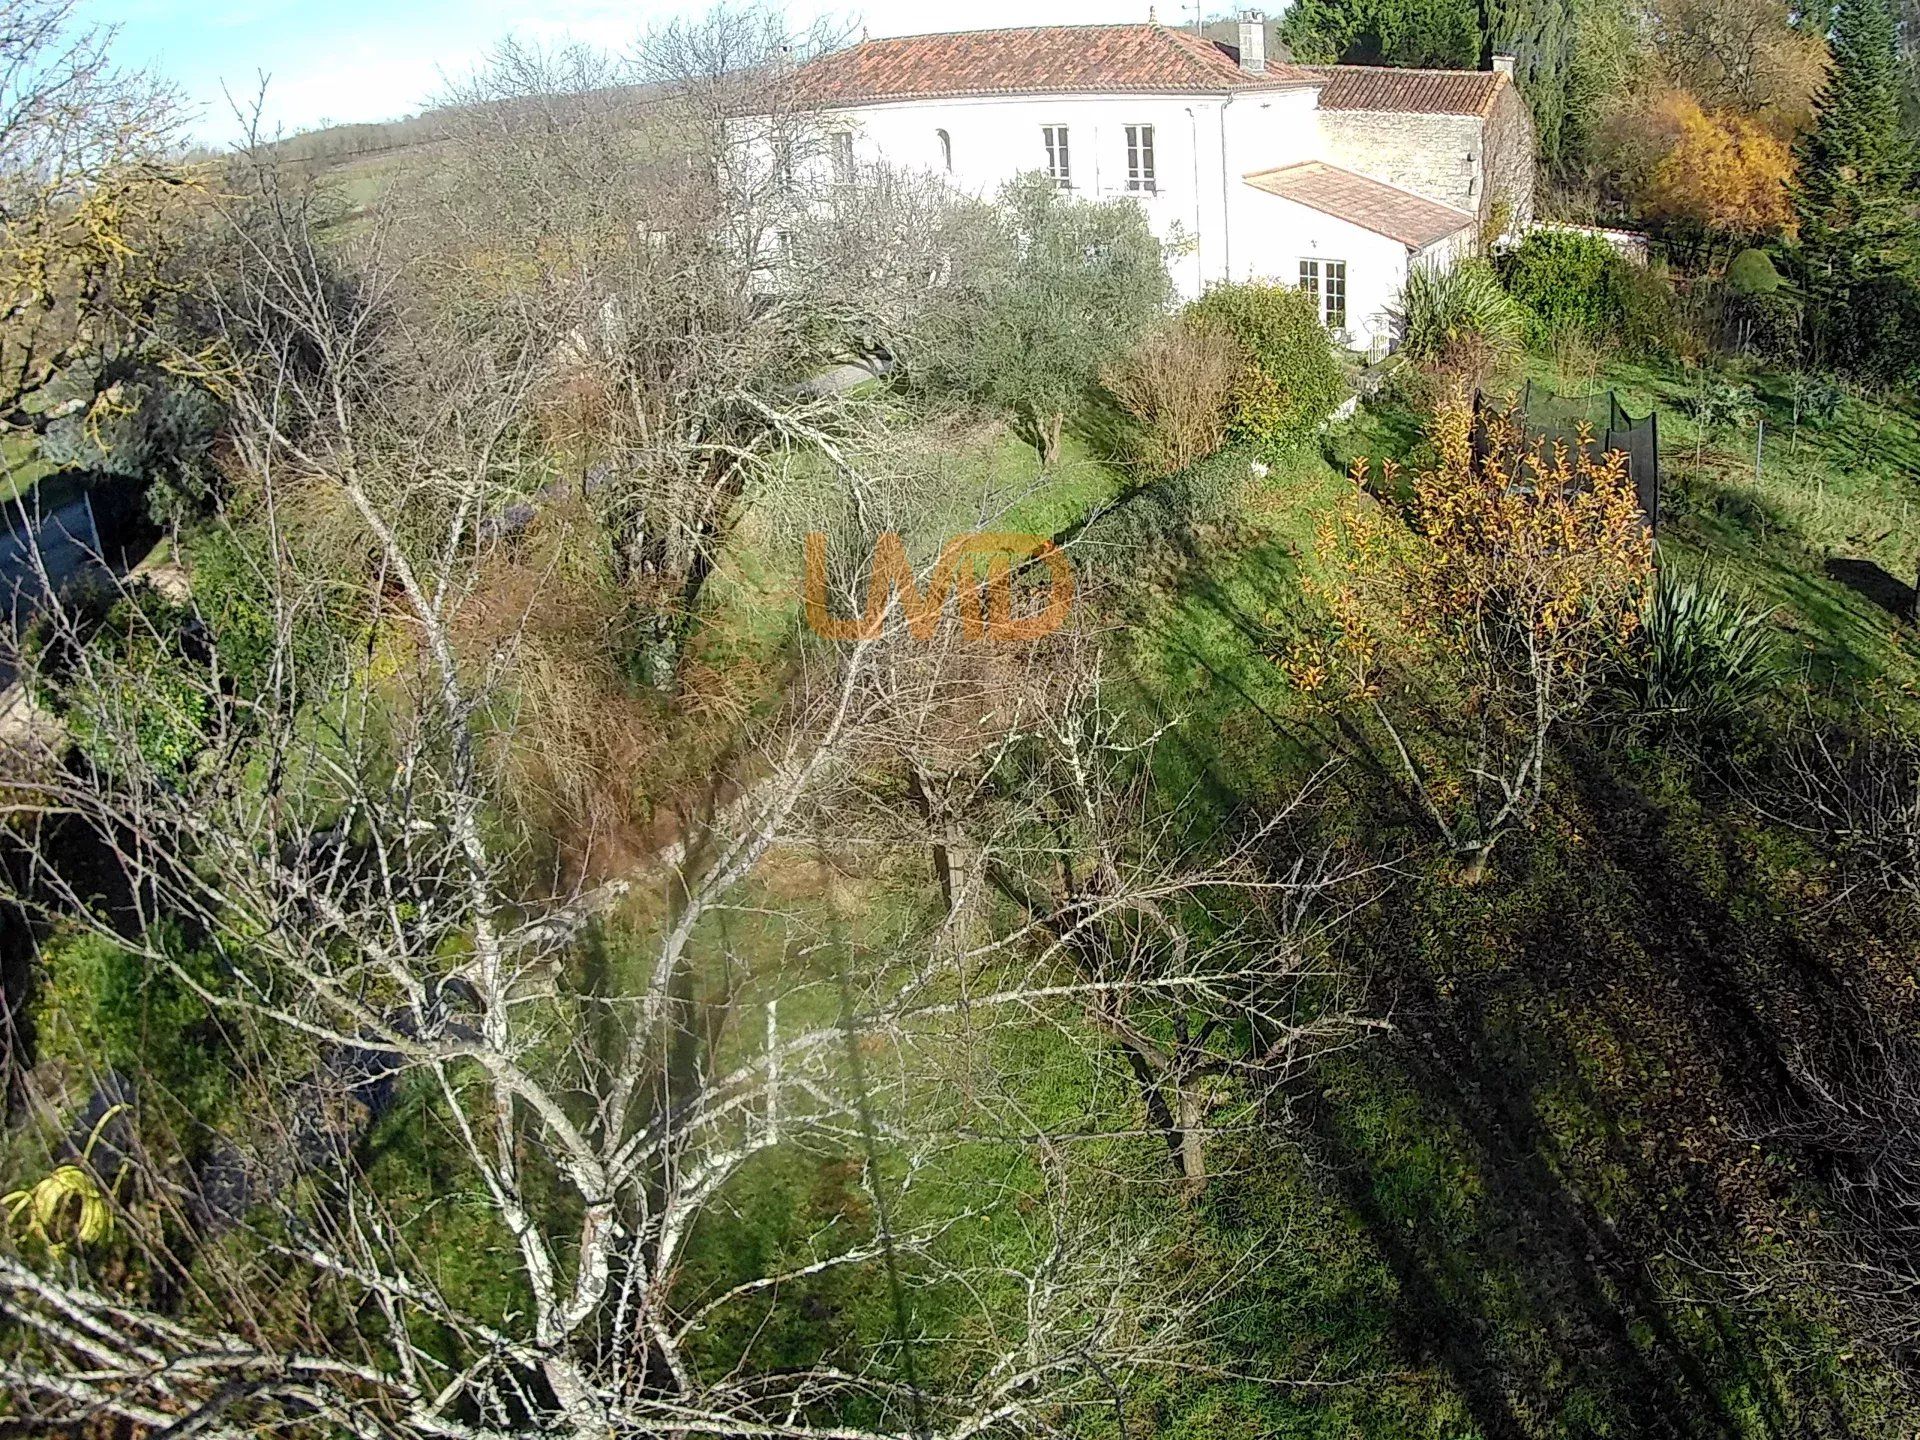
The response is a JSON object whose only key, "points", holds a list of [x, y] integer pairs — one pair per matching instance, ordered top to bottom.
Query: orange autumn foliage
{"points": [[1725, 173], [1470, 626]]}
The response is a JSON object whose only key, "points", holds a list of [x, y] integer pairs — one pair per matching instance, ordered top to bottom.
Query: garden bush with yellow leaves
{"points": [[1463, 618]]}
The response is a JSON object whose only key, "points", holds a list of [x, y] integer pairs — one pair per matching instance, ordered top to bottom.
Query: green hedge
{"points": [[1570, 281], [1295, 380], [1158, 520]]}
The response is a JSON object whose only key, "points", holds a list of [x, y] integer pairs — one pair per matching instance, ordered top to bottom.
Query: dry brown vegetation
{"points": [[1177, 384]]}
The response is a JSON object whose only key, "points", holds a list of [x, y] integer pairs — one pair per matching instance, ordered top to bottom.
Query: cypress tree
{"points": [[1854, 166]]}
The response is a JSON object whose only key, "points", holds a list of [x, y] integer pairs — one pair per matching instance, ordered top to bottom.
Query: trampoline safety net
{"points": [[1609, 427]]}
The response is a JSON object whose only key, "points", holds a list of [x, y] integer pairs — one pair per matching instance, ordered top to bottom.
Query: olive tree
{"points": [[1050, 289]]}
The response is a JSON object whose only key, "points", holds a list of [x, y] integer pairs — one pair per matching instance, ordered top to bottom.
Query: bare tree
{"points": [[88, 193], [651, 201], [1860, 795], [326, 812], [332, 830], [1209, 974]]}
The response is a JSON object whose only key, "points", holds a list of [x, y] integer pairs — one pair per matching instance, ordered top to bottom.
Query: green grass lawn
{"points": [[21, 468], [1823, 531], [1477, 1226], [1474, 1229]]}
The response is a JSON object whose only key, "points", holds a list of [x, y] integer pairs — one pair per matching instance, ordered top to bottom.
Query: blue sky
{"points": [[379, 59]]}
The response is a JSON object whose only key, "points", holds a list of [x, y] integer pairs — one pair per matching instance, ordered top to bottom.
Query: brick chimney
{"points": [[1253, 42], [1503, 65]]}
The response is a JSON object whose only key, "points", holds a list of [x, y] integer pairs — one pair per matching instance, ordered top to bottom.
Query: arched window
{"points": [[946, 149]]}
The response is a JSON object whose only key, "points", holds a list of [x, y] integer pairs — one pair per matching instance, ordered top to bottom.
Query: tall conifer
{"points": [[1854, 171]]}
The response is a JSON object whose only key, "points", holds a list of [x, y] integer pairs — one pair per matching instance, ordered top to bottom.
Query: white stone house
{"points": [[1335, 178]]}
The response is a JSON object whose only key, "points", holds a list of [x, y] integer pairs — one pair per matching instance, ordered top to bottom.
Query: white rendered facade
{"points": [[1185, 159]]}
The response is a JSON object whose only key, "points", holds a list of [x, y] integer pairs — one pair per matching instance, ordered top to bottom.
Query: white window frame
{"points": [[1059, 152], [1141, 179], [1316, 278]]}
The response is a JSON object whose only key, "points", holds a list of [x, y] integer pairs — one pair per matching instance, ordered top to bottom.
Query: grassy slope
{"points": [[21, 469], [1823, 532], [1479, 1227], [1472, 1230]]}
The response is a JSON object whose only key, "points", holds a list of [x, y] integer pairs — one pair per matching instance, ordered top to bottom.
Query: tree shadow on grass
{"points": [[1109, 433], [1863, 577], [1217, 635], [1844, 638], [1587, 1042]]}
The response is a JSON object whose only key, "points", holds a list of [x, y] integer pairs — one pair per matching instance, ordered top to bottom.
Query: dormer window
{"points": [[946, 149], [1059, 165]]}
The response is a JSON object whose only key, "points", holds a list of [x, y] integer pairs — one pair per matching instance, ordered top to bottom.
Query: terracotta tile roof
{"points": [[1044, 60], [1422, 92], [1384, 209]]}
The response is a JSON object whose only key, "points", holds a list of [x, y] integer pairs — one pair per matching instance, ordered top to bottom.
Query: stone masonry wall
{"points": [[1433, 155], [1458, 160]]}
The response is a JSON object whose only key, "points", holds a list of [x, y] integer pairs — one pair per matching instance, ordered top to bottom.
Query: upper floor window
{"points": [[946, 148], [843, 157], [1140, 159], [1059, 166], [1326, 282]]}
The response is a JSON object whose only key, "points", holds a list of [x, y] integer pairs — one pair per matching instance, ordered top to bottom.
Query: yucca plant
{"points": [[1442, 312], [1708, 654]]}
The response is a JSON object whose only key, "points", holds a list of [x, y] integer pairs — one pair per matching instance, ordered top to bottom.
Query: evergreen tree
{"points": [[1442, 34], [1572, 56], [1856, 227]]}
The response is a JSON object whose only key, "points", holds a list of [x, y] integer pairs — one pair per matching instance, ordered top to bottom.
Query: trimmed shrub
{"points": [[1752, 273], [1569, 280], [1462, 315], [1651, 318], [1293, 380], [1178, 385], [1159, 519]]}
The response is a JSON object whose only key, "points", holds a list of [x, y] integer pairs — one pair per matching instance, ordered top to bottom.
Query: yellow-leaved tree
{"points": [[1721, 172], [92, 195], [1461, 627]]}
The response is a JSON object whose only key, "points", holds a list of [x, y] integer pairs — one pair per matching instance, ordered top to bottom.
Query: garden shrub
{"points": [[1752, 273], [1570, 281], [1461, 318], [1651, 319], [1870, 339], [1293, 380], [1177, 383], [1816, 398], [1719, 402], [158, 440], [1160, 518], [232, 594], [136, 633], [1707, 655], [188, 657], [108, 1009]]}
